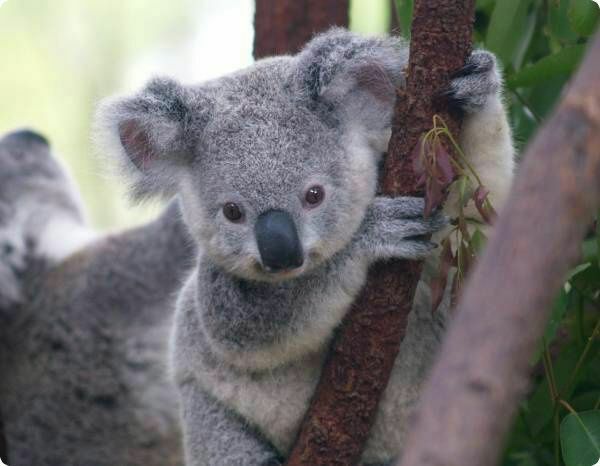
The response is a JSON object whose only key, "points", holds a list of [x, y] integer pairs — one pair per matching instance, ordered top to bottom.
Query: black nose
{"points": [[27, 136], [278, 241]]}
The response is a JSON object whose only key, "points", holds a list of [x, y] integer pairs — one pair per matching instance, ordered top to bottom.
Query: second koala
{"points": [[276, 167]]}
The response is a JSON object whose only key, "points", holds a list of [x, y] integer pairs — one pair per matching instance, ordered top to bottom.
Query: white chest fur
{"points": [[274, 401]]}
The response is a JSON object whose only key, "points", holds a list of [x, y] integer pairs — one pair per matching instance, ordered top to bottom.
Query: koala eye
{"points": [[314, 195], [232, 212]]}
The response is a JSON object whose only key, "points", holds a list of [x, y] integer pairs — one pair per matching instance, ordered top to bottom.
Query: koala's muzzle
{"points": [[278, 242]]}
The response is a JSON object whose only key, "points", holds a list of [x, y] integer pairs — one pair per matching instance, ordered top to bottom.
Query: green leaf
{"points": [[485, 5], [404, 9], [583, 17], [508, 21], [559, 28], [525, 40], [562, 63], [544, 96], [465, 190], [598, 236], [478, 240], [590, 248], [578, 269], [586, 279], [559, 309], [586, 400], [540, 405], [580, 438]]}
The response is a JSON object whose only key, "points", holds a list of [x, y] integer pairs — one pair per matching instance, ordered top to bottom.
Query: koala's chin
{"points": [[251, 268]]}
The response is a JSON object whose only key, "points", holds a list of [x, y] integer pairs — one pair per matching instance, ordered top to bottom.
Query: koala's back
{"points": [[86, 381]]}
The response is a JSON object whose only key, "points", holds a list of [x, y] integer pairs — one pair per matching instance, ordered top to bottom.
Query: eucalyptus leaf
{"points": [[485, 5], [404, 9], [583, 17], [559, 28], [505, 32], [525, 40], [561, 63], [465, 190], [478, 241], [597, 242], [590, 248], [578, 269], [559, 310], [540, 405], [580, 438]]}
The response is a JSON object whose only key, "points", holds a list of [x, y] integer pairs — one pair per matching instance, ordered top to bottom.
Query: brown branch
{"points": [[284, 26], [360, 362], [474, 389]]}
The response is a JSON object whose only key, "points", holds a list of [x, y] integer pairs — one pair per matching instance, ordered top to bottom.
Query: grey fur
{"points": [[476, 81], [27, 174], [248, 344], [83, 345]]}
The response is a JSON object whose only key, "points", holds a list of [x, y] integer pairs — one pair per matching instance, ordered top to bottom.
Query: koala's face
{"points": [[275, 164], [273, 191]]}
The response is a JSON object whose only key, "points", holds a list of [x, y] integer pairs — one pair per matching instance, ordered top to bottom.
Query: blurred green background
{"points": [[60, 57]]}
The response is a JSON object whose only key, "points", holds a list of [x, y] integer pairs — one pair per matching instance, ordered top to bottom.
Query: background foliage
{"points": [[540, 44], [60, 57]]}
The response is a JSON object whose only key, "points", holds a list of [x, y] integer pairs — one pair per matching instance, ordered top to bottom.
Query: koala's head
{"points": [[275, 164], [34, 190]]}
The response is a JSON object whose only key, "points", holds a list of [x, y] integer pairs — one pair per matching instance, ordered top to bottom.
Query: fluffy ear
{"points": [[350, 78], [152, 134]]}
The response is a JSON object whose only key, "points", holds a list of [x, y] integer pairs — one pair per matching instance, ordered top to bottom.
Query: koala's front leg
{"points": [[485, 138], [395, 228], [215, 436]]}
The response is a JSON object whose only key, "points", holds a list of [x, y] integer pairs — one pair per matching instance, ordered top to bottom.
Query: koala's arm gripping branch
{"points": [[361, 359], [469, 402]]}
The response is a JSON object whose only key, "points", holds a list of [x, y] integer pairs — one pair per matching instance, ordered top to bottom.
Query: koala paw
{"points": [[474, 83], [395, 228]]}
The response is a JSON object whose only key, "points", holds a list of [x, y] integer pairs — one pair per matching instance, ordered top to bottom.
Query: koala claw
{"points": [[474, 83], [395, 228]]}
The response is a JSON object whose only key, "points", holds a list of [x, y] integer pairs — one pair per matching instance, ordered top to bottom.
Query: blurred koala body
{"points": [[276, 167], [84, 323]]}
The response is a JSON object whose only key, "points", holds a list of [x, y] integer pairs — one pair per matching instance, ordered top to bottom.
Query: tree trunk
{"points": [[284, 26], [360, 362], [476, 385]]}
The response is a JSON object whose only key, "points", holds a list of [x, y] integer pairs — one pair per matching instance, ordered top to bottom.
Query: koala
{"points": [[276, 167], [40, 210], [85, 320]]}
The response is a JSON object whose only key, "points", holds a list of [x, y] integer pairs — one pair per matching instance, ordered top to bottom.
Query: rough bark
{"points": [[284, 26], [360, 361], [474, 389]]}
